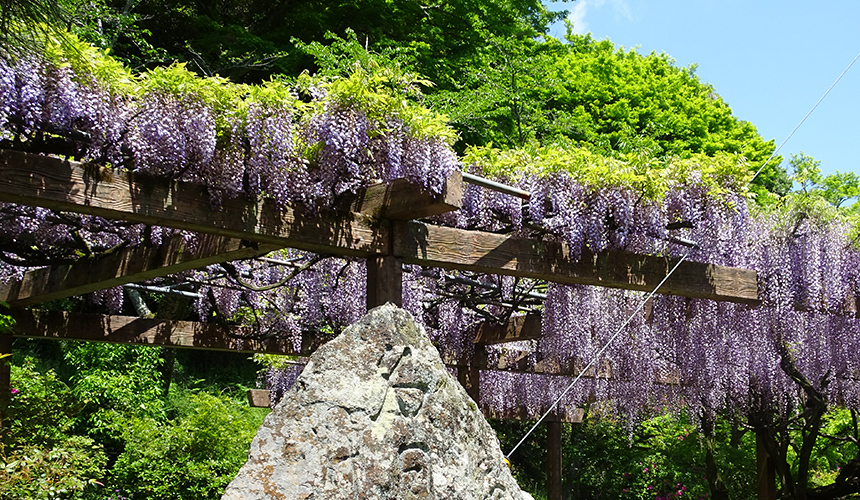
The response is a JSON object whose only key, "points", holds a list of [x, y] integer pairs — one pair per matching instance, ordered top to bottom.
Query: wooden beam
{"points": [[35, 180], [41, 181], [51, 183], [401, 200], [453, 248], [128, 265], [60, 325], [526, 327]]}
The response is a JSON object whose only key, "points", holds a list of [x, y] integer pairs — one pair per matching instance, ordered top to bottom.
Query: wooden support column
{"points": [[384, 281], [470, 376], [5, 380], [553, 458], [766, 472]]}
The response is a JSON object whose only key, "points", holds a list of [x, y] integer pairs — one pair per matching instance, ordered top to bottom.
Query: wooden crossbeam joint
{"points": [[402, 200]]}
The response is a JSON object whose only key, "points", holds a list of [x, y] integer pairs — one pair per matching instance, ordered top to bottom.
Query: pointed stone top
{"points": [[375, 414]]}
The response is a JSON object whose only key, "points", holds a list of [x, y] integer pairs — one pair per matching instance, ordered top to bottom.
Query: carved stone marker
{"points": [[376, 415]]}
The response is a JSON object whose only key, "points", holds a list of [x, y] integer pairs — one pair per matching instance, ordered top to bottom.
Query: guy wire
{"points": [[775, 151], [602, 349]]}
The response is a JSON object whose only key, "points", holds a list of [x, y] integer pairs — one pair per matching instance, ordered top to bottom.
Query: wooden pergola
{"points": [[380, 225]]}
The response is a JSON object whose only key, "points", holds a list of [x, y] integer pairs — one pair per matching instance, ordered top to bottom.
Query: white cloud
{"points": [[580, 8], [621, 8], [577, 17]]}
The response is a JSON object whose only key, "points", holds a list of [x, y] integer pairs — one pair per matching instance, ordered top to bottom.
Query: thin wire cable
{"points": [[775, 151], [597, 356]]}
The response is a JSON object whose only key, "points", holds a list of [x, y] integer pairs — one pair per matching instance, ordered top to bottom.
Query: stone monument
{"points": [[376, 415]]}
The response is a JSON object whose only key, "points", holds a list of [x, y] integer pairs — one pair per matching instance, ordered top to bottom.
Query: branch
{"points": [[234, 273], [813, 410]]}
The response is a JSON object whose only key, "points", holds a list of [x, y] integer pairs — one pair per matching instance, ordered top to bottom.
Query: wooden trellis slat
{"points": [[128, 265], [61, 325]]}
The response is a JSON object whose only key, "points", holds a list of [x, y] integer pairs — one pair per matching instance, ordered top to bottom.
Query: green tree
{"points": [[248, 40], [589, 93], [836, 188]]}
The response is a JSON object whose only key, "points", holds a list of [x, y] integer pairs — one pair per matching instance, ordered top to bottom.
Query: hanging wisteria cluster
{"points": [[262, 141], [328, 144], [706, 355]]}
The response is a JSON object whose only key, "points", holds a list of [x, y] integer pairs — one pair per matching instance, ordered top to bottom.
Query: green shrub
{"points": [[113, 383], [193, 457], [40, 458]]}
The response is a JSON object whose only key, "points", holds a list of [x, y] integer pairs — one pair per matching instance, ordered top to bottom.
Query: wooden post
{"points": [[384, 281], [469, 378], [5, 381], [553, 458], [766, 473]]}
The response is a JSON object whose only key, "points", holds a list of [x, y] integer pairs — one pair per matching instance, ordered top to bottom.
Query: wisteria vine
{"points": [[314, 143]]}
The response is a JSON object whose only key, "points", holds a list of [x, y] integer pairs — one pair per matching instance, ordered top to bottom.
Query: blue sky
{"points": [[770, 61]]}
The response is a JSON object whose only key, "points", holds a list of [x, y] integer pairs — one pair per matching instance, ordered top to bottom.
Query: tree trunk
{"points": [[766, 472], [712, 473]]}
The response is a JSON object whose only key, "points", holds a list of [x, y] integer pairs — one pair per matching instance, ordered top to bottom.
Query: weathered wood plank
{"points": [[34, 180], [401, 200], [451, 248], [128, 265], [59, 325], [526, 327], [259, 398]]}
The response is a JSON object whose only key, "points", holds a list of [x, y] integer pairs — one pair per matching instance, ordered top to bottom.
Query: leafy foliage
{"points": [[250, 40], [590, 94], [612, 160], [836, 188], [111, 384], [186, 444], [193, 456], [42, 458]]}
